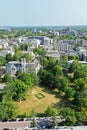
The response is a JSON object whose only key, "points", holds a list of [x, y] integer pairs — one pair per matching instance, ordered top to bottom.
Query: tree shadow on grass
{"points": [[51, 91], [58, 94], [63, 103]]}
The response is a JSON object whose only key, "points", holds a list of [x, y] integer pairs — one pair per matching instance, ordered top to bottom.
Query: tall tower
{"points": [[23, 65]]}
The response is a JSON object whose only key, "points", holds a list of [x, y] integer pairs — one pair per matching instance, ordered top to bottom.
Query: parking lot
{"points": [[43, 123]]}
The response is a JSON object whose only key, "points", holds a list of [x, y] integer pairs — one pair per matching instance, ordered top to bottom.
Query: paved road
{"points": [[20, 124], [23, 124], [80, 128]]}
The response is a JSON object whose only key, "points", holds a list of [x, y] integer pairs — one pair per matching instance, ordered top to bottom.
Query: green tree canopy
{"points": [[24, 46], [40, 51], [18, 55], [27, 56], [8, 57], [64, 60], [2, 61], [57, 70], [6, 78], [63, 84], [80, 84], [15, 90], [8, 110], [50, 111], [69, 116]]}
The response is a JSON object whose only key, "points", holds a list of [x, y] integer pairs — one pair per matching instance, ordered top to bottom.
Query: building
{"points": [[64, 31], [72, 33], [43, 39], [34, 42], [70, 42], [3, 44], [61, 46], [6, 51], [82, 53], [54, 54], [83, 56], [82, 62], [14, 66], [2, 86]]}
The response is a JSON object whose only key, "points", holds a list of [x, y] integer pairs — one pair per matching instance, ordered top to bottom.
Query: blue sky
{"points": [[43, 12]]}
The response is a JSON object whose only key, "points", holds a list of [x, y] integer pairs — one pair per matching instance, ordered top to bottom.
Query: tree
{"points": [[24, 47], [16, 48], [40, 51], [18, 55], [27, 56], [8, 57], [73, 57], [2, 61], [44, 61], [64, 61], [51, 63], [74, 66], [79, 70], [57, 71], [19, 74], [7, 78], [47, 78], [27, 79], [30, 79], [35, 79], [62, 84], [80, 84], [15, 90], [70, 92], [80, 99], [8, 110], [50, 111], [33, 113], [69, 116], [82, 116], [34, 122], [54, 125]]}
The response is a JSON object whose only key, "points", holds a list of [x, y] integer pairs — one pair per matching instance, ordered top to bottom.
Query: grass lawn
{"points": [[39, 105]]}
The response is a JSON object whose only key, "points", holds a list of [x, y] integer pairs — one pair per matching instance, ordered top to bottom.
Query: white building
{"points": [[34, 42], [3, 44], [63, 46], [6, 51], [53, 54], [13, 66]]}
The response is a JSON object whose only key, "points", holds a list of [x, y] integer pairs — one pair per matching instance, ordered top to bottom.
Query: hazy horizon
{"points": [[43, 13]]}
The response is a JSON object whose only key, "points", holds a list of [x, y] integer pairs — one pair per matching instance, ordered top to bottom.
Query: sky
{"points": [[43, 12]]}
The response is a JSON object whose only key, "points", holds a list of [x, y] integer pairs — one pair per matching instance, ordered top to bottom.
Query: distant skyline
{"points": [[43, 12]]}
